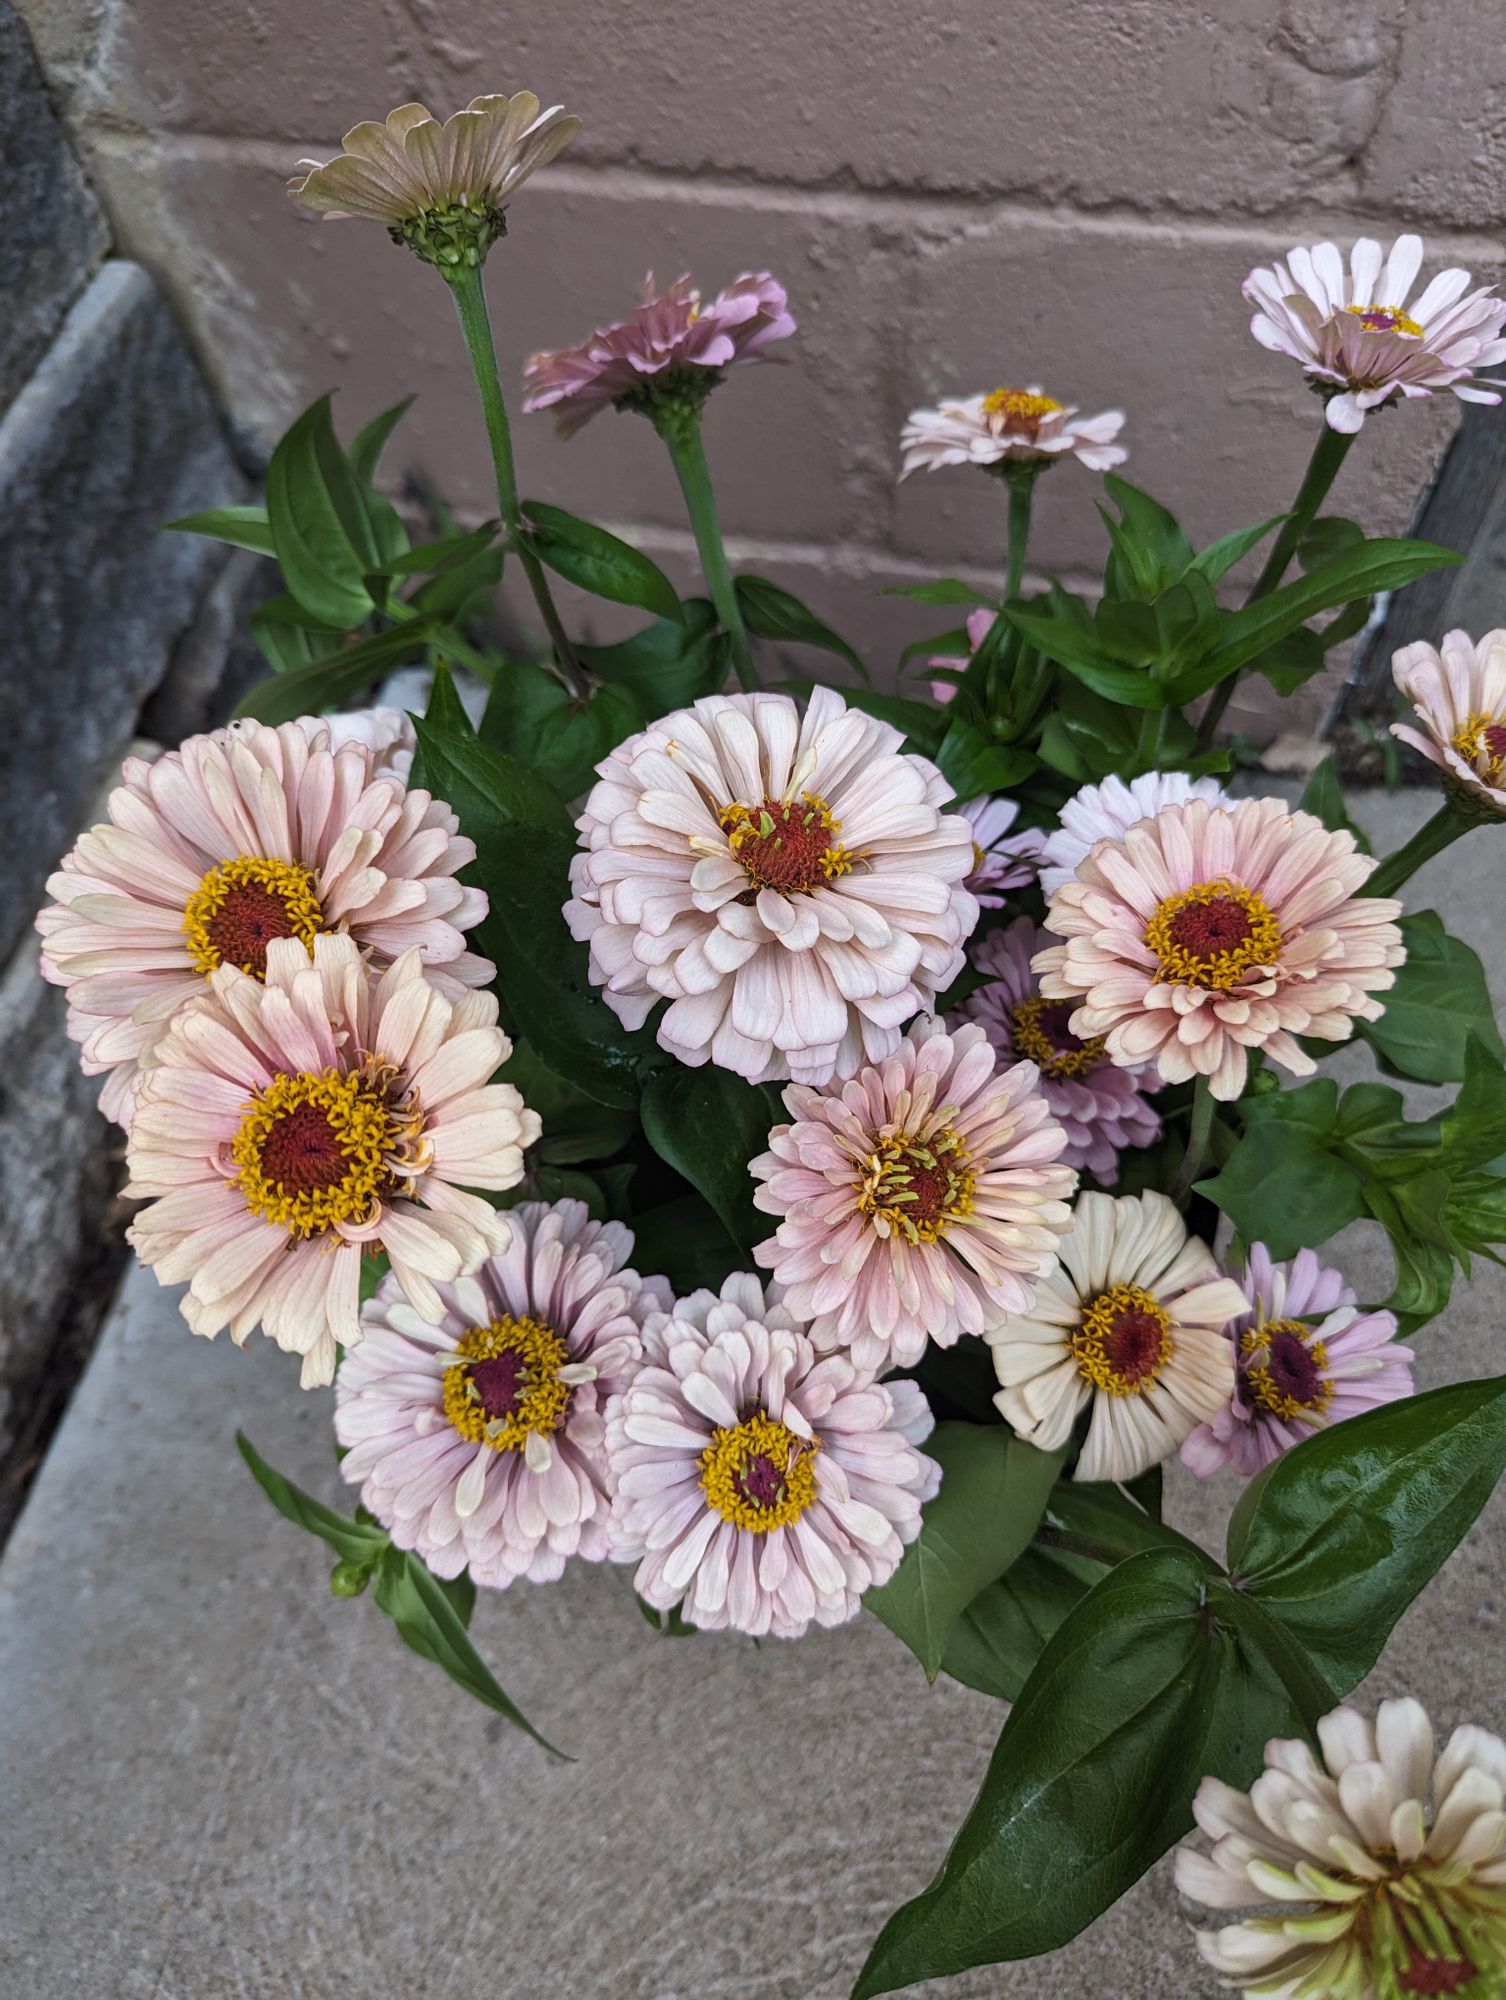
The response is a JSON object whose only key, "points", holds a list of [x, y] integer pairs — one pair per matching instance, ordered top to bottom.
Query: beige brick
{"points": [[1439, 148]]}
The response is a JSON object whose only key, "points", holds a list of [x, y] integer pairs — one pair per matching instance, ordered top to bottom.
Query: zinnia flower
{"points": [[442, 189], [1358, 340], [675, 343], [1008, 426], [979, 624], [1459, 695], [388, 733], [1108, 811], [237, 838], [1001, 860], [791, 884], [1207, 931], [1101, 1108], [287, 1128], [921, 1200], [1131, 1323], [1305, 1357], [481, 1442], [759, 1486], [1386, 1863]]}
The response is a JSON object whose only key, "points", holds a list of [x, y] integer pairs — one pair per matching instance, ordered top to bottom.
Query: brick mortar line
{"points": [[958, 210]]}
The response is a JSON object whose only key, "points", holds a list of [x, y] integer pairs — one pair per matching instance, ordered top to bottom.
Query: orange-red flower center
{"points": [[787, 844], [242, 905], [245, 924], [1205, 929], [1212, 934], [302, 1153], [1124, 1341], [1437, 1975]]}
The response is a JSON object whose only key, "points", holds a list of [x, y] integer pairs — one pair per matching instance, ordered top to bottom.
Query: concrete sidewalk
{"points": [[217, 1780]]}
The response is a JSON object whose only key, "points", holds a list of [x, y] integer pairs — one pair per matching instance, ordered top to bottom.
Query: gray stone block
{"points": [[52, 232], [113, 434]]}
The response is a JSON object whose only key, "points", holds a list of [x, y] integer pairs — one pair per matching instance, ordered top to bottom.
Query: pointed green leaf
{"points": [[370, 441], [241, 527], [321, 527], [599, 562], [771, 612], [334, 679], [1438, 1001], [707, 1124], [346, 1537]]}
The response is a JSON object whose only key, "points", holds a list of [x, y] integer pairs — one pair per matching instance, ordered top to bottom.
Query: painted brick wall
{"points": [[1065, 191]]}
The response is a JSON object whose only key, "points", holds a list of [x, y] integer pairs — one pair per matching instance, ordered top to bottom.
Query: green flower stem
{"points": [[475, 323], [678, 421], [1328, 455], [1021, 483], [1441, 831], [1199, 1132]]}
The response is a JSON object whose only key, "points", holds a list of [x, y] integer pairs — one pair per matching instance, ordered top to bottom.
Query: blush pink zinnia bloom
{"points": [[674, 339], [1359, 341], [1009, 426], [979, 624], [1458, 694], [1107, 811], [235, 839], [792, 884], [1210, 930], [1101, 1108], [287, 1128], [920, 1201], [1305, 1356], [480, 1442], [761, 1486]]}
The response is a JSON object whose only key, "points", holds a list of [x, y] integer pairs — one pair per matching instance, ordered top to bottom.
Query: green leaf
{"points": [[370, 441], [321, 526], [241, 527], [1328, 538], [1150, 550], [1219, 557], [434, 558], [603, 564], [945, 590], [773, 613], [286, 636], [1083, 654], [1292, 662], [668, 664], [335, 678], [444, 710], [535, 718], [923, 724], [973, 766], [1323, 797], [524, 846], [1439, 1000], [707, 1124], [576, 1127], [1473, 1129], [546, 1183], [1284, 1185], [683, 1241], [993, 1492], [1091, 1519], [1352, 1522], [346, 1537], [429, 1624], [668, 1624], [996, 1642], [1154, 1680]]}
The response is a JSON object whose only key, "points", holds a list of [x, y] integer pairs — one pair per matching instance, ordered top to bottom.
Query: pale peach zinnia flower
{"points": [[442, 188], [1359, 340], [674, 343], [1009, 427], [1459, 694], [230, 841], [791, 884], [1211, 930], [288, 1128], [922, 1200], [1131, 1323], [480, 1442], [761, 1486], [1374, 1872]]}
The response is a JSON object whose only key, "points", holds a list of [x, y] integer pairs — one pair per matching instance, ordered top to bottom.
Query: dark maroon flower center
{"points": [[1493, 736], [785, 844], [246, 923], [1203, 930], [302, 1152], [1133, 1343], [1293, 1367], [499, 1382], [761, 1481], [1437, 1975]]}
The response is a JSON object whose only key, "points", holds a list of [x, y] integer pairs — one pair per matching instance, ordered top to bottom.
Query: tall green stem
{"points": [[475, 323], [678, 422], [1328, 455], [1021, 493], [1441, 831], [1200, 1131]]}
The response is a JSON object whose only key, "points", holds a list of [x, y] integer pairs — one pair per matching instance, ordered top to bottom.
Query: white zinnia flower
{"points": [[1008, 426], [1107, 812], [792, 884], [1131, 1322], [1382, 1868]]}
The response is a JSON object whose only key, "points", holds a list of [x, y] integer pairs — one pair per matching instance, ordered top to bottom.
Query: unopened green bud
{"points": [[349, 1579]]}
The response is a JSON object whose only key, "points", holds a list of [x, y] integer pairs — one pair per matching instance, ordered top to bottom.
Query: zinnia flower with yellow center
{"points": [[441, 188], [1360, 341], [1008, 427], [1458, 693], [231, 841], [1211, 930], [288, 1127], [1130, 1323], [480, 1442], [758, 1485], [1380, 1869]]}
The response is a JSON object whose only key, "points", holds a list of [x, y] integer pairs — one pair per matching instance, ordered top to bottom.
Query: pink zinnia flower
{"points": [[1357, 339], [674, 340], [1008, 426], [979, 624], [1459, 696], [388, 733], [1108, 811], [237, 838], [1001, 860], [793, 885], [1211, 930], [1101, 1108], [287, 1128], [922, 1200], [1305, 1357], [481, 1442], [760, 1486]]}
